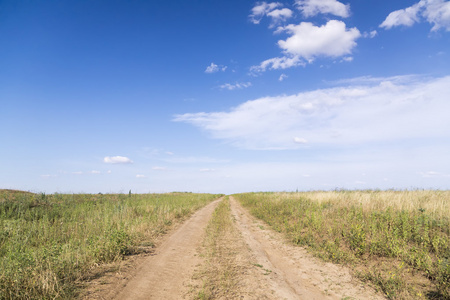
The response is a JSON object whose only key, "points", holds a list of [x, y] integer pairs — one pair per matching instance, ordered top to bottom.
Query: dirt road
{"points": [[269, 267]]}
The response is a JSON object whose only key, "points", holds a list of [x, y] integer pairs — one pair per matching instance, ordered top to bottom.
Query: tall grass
{"points": [[398, 240], [49, 242]]}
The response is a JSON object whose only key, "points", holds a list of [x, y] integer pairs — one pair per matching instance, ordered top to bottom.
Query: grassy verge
{"points": [[398, 240], [50, 242], [220, 272]]}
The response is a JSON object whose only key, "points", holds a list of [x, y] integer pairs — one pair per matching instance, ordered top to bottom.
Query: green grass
{"points": [[397, 240], [49, 243]]}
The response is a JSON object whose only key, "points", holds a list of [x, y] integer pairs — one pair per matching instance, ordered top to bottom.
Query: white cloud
{"points": [[310, 8], [262, 9], [436, 12], [279, 15], [406, 17], [371, 34], [307, 41], [347, 59], [278, 63], [213, 68], [282, 77], [237, 85], [382, 110], [300, 140], [194, 159], [117, 160], [159, 168], [207, 170], [95, 172], [77, 173], [433, 174], [46, 176], [140, 176]]}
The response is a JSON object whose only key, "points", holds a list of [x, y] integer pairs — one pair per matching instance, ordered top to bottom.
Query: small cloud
{"points": [[310, 8], [262, 9], [279, 15], [370, 35], [306, 42], [347, 59], [277, 63], [213, 68], [282, 77], [235, 86], [300, 140], [169, 153], [117, 160], [159, 168], [207, 170], [95, 172], [109, 172], [77, 173], [433, 174], [46, 176], [140, 176]]}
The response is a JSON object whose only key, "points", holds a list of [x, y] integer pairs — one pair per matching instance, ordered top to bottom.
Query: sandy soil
{"points": [[269, 267]]}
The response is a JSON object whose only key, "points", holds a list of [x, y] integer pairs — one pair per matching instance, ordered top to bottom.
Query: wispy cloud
{"points": [[310, 8], [261, 9], [435, 12], [213, 68], [282, 77], [237, 85], [409, 109], [299, 140], [194, 159], [117, 160], [157, 168], [433, 174], [141, 176]]}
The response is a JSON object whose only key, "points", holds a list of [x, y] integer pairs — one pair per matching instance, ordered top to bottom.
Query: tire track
{"points": [[166, 274]]}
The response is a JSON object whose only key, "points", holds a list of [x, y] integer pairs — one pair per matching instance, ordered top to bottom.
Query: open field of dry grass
{"points": [[398, 240], [51, 243]]}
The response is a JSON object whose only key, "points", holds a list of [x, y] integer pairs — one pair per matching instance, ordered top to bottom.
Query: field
{"points": [[397, 240], [50, 243]]}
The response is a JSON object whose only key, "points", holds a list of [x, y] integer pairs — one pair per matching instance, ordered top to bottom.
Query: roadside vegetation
{"points": [[397, 240], [50, 243]]}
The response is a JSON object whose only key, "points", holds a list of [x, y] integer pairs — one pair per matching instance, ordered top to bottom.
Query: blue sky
{"points": [[224, 96]]}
